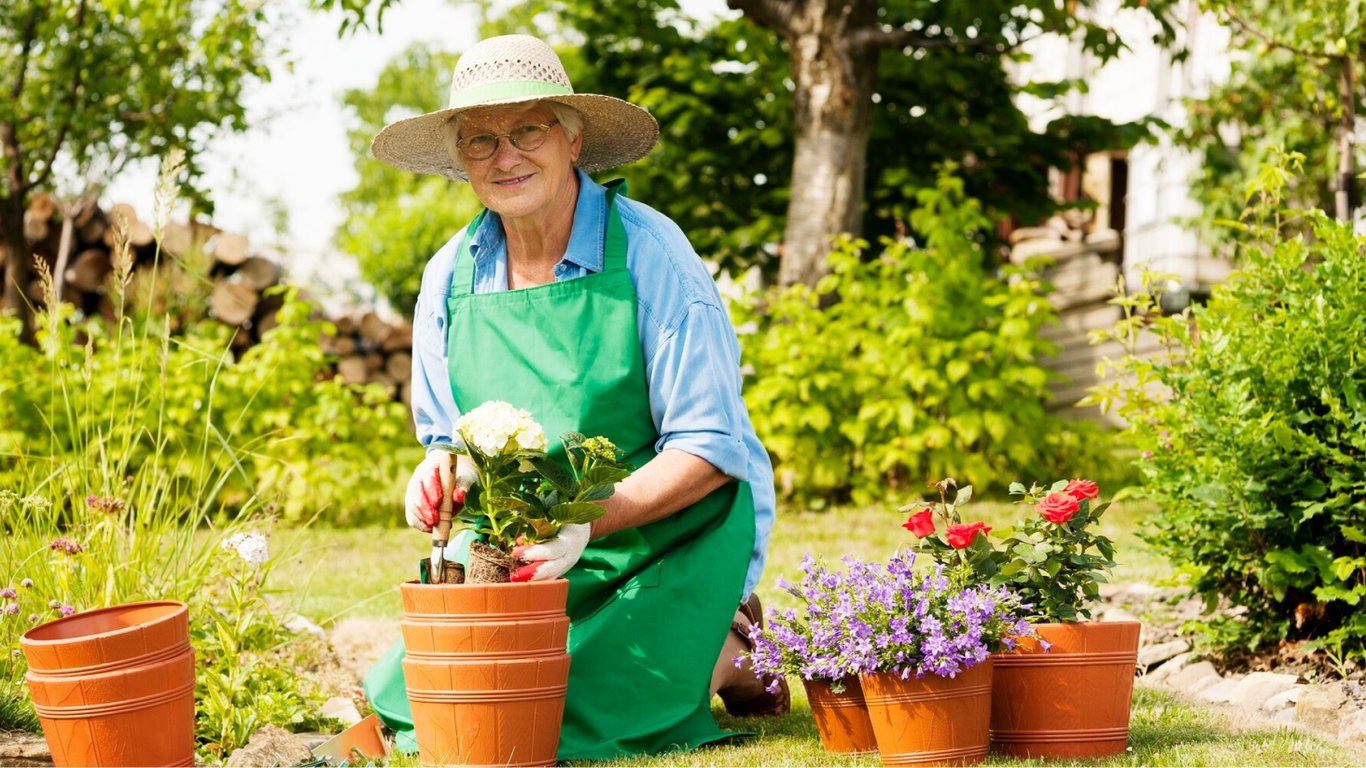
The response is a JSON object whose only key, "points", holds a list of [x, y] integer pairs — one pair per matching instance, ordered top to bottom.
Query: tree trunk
{"points": [[834, 69], [832, 115], [1346, 148], [18, 269]]}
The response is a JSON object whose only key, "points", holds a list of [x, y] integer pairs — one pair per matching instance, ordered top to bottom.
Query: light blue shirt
{"points": [[692, 358]]}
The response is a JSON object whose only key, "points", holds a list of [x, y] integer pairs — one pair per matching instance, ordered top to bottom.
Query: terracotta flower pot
{"points": [[486, 670], [115, 686], [1072, 701], [841, 718], [931, 720]]}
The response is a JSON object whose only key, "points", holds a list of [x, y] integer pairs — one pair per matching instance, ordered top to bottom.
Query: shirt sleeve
{"points": [[694, 382], [434, 409]]}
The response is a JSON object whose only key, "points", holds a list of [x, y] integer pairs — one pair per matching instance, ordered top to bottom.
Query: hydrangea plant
{"points": [[521, 494], [890, 618]]}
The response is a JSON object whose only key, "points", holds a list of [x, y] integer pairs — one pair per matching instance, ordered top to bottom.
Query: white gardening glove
{"points": [[428, 486], [551, 559]]}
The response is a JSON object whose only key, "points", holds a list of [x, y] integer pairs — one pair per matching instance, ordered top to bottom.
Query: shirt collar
{"points": [[586, 239]]}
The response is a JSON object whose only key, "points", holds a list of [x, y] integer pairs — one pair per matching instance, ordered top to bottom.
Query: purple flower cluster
{"points": [[66, 546], [892, 618]]}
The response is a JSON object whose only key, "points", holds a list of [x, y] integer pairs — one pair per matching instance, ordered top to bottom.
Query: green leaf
{"points": [[604, 476], [559, 478], [1017, 489], [572, 512], [1353, 534]]}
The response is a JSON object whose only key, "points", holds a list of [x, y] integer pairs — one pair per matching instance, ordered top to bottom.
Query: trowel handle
{"points": [[446, 510]]}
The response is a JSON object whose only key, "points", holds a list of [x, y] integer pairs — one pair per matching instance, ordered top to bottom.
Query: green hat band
{"points": [[506, 89]]}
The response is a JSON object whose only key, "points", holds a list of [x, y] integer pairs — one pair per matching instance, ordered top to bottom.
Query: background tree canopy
{"points": [[726, 99]]}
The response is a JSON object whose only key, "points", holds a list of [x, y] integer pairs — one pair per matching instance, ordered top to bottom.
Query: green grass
{"points": [[341, 573]]}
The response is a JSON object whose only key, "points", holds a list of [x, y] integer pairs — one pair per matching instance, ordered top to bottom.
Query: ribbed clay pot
{"points": [[486, 670], [115, 686], [1071, 702], [841, 718], [931, 720]]}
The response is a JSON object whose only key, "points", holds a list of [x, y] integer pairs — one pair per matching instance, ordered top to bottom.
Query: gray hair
{"points": [[570, 119]]}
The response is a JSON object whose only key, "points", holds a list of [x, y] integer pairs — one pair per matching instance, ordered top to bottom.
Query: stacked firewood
{"points": [[368, 348]]}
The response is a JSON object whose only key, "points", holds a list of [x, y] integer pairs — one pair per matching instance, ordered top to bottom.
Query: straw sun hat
{"points": [[517, 69]]}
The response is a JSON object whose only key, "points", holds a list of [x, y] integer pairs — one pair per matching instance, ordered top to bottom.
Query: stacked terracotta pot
{"points": [[486, 670]]}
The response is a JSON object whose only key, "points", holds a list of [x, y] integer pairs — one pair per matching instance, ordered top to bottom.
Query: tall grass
{"points": [[120, 481]]}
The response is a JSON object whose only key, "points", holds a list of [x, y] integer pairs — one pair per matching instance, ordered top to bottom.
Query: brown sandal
{"points": [[740, 699]]}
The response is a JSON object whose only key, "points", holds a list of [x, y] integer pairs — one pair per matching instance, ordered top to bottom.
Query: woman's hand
{"points": [[430, 483], [552, 559]]}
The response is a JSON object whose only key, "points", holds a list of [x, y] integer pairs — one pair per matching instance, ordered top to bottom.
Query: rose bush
{"points": [[1052, 560]]}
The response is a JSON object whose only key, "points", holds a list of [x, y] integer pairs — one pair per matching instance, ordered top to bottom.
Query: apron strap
{"points": [[614, 244], [462, 280]]}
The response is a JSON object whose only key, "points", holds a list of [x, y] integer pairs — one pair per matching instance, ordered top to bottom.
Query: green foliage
{"points": [[1282, 92], [395, 220], [926, 366], [1252, 430], [248, 666]]}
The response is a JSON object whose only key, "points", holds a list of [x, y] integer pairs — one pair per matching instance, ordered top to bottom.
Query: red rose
{"points": [[1082, 489], [1058, 507], [921, 523], [960, 535]]}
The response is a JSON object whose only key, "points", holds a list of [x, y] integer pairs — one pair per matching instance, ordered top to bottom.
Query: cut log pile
{"points": [[1084, 273], [368, 348]]}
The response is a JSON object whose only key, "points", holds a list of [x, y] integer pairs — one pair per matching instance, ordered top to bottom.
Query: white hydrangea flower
{"points": [[496, 428], [250, 546]]}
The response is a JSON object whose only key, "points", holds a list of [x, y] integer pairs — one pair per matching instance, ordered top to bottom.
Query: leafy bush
{"points": [[926, 367], [1253, 431], [127, 451]]}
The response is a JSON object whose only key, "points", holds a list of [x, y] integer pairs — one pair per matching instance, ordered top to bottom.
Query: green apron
{"points": [[649, 607]]}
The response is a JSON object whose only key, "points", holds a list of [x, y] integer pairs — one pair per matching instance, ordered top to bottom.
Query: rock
{"points": [[1117, 614], [299, 625], [1149, 655], [1168, 668], [1195, 677], [1256, 688], [1221, 692], [1284, 699], [1320, 707], [341, 708], [1285, 716], [1352, 727], [271, 746], [21, 748]]}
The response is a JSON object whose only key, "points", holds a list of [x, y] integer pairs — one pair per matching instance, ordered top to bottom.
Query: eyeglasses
{"points": [[482, 146]]}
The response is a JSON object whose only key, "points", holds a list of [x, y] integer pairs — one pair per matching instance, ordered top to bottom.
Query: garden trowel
{"points": [[441, 533]]}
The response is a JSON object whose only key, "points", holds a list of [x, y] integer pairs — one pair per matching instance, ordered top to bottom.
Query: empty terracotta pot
{"points": [[486, 670], [115, 686], [1072, 701], [841, 718], [931, 720]]}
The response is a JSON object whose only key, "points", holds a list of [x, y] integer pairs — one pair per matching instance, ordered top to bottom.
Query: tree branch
{"points": [[777, 15], [1271, 40], [74, 107]]}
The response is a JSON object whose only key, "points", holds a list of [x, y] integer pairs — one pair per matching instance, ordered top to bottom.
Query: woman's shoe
{"points": [[744, 694]]}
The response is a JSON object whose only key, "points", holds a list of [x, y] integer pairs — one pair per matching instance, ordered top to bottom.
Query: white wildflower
{"points": [[497, 428], [250, 546]]}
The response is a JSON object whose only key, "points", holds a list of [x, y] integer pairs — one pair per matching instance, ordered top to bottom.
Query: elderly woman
{"points": [[594, 313]]}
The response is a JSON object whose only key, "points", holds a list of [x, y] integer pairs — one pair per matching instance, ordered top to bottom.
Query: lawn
{"points": [[341, 573]]}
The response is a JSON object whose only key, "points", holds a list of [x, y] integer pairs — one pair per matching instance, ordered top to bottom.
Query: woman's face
{"points": [[515, 183]]}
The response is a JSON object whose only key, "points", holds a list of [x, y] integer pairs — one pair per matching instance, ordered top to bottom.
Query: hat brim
{"points": [[615, 133]]}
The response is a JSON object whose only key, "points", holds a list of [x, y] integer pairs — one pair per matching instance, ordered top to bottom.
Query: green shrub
{"points": [[925, 367], [1253, 431]]}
